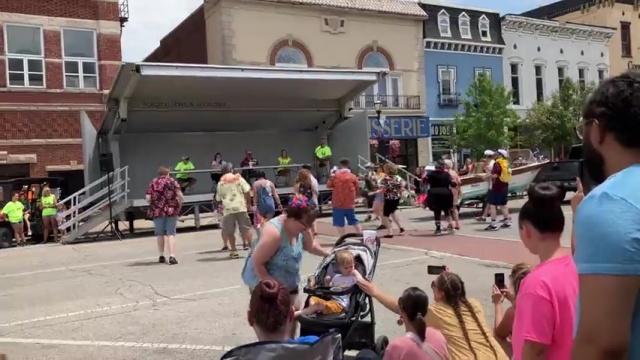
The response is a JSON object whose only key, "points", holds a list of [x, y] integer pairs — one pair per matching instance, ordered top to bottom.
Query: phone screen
{"points": [[435, 269], [498, 280]]}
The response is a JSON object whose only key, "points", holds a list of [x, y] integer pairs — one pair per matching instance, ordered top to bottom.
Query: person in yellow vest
{"points": [[323, 158], [285, 172], [184, 178], [498, 195], [49, 206], [14, 212]]}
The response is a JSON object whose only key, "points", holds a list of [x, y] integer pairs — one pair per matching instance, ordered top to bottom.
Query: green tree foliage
{"points": [[487, 118], [552, 123]]}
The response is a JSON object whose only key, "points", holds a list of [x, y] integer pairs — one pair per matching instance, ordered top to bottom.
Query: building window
{"points": [[464, 23], [443, 24], [483, 26], [625, 38], [25, 56], [290, 56], [80, 59], [480, 71], [539, 71], [562, 75], [601, 75], [582, 78], [447, 80], [515, 83], [388, 89]]}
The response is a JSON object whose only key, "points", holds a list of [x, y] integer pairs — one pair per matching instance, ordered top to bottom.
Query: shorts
{"points": [[498, 197], [440, 201], [390, 207], [49, 216], [339, 216], [240, 220], [17, 223], [165, 226], [330, 306]]}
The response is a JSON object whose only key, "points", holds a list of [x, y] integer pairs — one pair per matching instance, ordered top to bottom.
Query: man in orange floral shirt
{"points": [[343, 200]]}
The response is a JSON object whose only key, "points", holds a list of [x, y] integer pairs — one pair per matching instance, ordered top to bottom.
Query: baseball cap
{"points": [[503, 152], [489, 153]]}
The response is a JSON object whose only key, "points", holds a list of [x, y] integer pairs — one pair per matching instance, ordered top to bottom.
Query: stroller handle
{"points": [[346, 237], [321, 291]]}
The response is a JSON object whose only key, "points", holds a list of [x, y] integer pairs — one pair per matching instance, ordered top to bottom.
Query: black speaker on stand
{"points": [[106, 167]]}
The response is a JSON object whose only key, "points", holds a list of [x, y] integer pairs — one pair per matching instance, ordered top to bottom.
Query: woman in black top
{"points": [[439, 195]]}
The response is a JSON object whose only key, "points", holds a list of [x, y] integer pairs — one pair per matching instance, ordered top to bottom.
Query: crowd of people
{"points": [[580, 305]]}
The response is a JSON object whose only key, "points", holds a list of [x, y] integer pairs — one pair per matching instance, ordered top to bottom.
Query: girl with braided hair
{"points": [[461, 321]]}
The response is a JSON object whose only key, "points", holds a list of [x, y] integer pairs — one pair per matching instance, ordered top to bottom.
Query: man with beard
{"points": [[607, 224]]}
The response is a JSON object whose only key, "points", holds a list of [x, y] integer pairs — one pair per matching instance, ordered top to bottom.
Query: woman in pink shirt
{"points": [[546, 302], [420, 342]]}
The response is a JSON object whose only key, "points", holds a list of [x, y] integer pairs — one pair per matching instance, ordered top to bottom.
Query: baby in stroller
{"points": [[346, 278]]}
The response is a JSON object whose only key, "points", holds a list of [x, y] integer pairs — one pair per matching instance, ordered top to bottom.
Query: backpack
{"points": [[505, 170], [265, 199]]}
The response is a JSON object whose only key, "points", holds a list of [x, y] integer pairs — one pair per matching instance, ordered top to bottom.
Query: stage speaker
{"points": [[106, 162]]}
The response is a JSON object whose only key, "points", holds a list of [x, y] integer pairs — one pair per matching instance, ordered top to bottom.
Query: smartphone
{"points": [[435, 269], [498, 280]]}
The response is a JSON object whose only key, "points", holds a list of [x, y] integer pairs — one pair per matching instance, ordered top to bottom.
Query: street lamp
{"points": [[377, 106]]}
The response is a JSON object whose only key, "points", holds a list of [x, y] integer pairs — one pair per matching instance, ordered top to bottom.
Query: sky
{"points": [[151, 20]]}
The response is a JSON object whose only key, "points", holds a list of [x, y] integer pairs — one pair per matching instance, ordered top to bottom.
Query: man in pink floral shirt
{"points": [[165, 201]]}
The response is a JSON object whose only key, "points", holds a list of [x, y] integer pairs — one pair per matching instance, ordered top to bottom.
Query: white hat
{"points": [[503, 152], [488, 153]]}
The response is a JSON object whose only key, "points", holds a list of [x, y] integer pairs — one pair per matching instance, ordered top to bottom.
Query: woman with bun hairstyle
{"points": [[277, 254], [546, 303], [413, 306]]}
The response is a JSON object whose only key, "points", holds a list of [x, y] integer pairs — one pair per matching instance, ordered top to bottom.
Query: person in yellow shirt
{"points": [[323, 158], [284, 172], [184, 178], [49, 206], [14, 212]]}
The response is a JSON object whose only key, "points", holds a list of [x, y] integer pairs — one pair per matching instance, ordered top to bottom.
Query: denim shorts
{"points": [[165, 225]]}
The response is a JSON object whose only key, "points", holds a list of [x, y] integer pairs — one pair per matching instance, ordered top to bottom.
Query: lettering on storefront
{"points": [[633, 66], [400, 127], [440, 136]]}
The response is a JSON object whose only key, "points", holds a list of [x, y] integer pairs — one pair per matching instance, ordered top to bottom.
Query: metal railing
{"points": [[452, 99], [389, 102], [406, 175], [93, 198]]}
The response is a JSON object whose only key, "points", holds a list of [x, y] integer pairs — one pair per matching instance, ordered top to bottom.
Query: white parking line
{"points": [[116, 307], [113, 344]]}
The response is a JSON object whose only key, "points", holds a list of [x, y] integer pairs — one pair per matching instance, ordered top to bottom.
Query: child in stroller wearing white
{"points": [[346, 278]]}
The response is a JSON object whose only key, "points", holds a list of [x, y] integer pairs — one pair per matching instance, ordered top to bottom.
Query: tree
{"points": [[486, 119], [553, 122]]}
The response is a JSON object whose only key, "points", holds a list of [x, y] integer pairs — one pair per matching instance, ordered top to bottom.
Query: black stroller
{"points": [[357, 330]]}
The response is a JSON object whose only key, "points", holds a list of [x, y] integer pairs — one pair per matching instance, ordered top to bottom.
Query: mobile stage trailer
{"points": [[157, 113]]}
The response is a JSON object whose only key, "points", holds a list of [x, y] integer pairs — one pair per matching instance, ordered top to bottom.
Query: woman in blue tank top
{"points": [[277, 254]]}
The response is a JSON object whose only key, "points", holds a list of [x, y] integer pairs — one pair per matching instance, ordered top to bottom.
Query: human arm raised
{"points": [[310, 245]]}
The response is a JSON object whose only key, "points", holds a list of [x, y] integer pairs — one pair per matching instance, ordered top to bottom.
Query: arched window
{"points": [[291, 56], [375, 60]]}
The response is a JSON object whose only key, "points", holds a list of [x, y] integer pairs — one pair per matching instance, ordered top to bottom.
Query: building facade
{"points": [[622, 15], [338, 34], [459, 44], [540, 54], [59, 57]]}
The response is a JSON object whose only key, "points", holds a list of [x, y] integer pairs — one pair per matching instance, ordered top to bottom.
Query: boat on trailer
{"points": [[524, 168]]}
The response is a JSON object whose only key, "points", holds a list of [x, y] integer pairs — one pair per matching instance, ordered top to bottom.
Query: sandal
{"points": [[234, 255]]}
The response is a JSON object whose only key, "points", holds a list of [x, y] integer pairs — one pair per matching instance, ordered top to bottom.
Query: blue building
{"points": [[460, 44]]}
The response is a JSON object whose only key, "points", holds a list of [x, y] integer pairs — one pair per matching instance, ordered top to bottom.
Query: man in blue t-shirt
{"points": [[607, 224]]}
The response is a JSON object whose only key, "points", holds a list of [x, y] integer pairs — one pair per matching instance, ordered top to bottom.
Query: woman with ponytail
{"points": [[546, 303], [461, 321], [419, 342]]}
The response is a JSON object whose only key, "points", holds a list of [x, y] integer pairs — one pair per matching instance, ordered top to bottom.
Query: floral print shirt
{"points": [[393, 187], [165, 197]]}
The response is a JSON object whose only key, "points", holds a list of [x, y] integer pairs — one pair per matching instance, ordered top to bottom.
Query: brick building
{"points": [[58, 57]]}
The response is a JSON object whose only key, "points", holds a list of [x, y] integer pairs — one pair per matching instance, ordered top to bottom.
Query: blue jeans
{"points": [[340, 215], [165, 226]]}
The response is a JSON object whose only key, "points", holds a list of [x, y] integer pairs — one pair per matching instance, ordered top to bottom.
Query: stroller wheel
{"points": [[381, 345]]}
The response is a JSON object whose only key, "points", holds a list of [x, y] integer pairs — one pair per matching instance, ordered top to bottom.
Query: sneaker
{"points": [[480, 219], [505, 220], [505, 225], [381, 227], [457, 227], [491, 228], [450, 229], [401, 231], [437, 232], [245, 246], [225, 248], [234, 255], [162, 259], [172, 260]]}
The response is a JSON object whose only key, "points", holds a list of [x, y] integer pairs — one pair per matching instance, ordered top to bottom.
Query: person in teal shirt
{"points": [[183, 177], [14, 212]]}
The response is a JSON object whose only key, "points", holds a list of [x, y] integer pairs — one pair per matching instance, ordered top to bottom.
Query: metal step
{"points": [[95, 220]]}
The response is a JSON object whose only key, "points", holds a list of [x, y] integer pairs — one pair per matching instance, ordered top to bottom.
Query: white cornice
{"points": [[556, 29], [463, 47]]}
